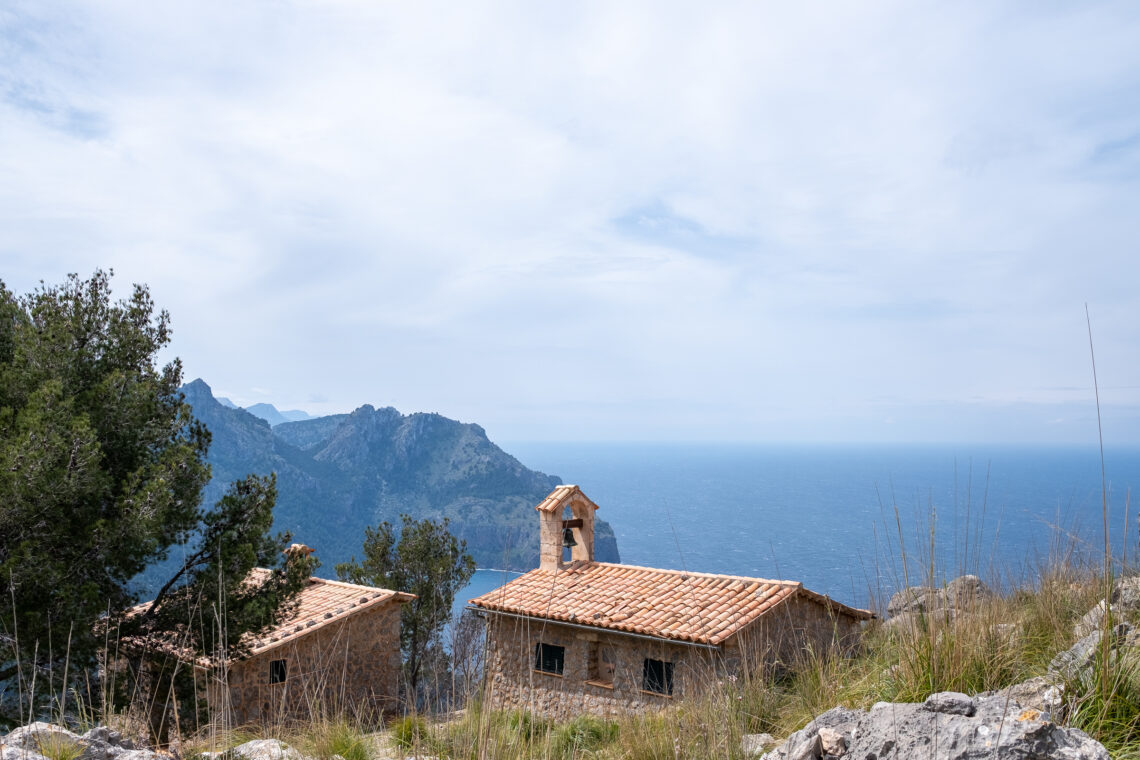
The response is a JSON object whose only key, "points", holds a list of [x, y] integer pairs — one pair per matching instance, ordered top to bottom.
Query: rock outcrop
{"points": [[962, 594], [1125, 601], [948, 726], [39, 741]]}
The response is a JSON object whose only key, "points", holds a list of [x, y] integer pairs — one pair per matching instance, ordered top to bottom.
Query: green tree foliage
{"points": [[101, 470], [426, 560]]}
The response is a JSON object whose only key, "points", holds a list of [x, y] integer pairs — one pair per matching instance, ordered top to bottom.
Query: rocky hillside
{"points": [[338, 474]]}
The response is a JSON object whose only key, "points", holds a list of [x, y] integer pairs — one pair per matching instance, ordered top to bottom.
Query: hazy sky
{"points": [[871, 221]]}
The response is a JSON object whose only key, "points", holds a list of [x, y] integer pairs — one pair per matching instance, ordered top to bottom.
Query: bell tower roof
{"points": [[562, 497]]}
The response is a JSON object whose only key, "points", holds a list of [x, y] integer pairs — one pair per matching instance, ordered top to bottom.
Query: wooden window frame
{"points": [[552, 654], [278, 671], [666, 682]]}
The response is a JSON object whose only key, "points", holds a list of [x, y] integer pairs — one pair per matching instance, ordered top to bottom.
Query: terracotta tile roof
{"points": [[561, 496], [322, 602], [669, 604]]}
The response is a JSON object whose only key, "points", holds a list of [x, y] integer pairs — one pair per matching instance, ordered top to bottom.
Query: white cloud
{"points": [[739, 220]]}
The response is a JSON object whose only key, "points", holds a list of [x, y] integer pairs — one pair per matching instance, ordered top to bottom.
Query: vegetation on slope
{"points": [[338, 474], [997, 643]]}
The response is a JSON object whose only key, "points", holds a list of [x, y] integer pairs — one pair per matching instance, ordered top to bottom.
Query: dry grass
{"points": [[995, 643]]}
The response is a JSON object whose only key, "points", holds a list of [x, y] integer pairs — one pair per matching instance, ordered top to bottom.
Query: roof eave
{"points": [[597, 628]]}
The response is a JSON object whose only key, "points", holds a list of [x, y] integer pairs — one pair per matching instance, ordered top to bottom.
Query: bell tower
{"points": [[566, 519]]}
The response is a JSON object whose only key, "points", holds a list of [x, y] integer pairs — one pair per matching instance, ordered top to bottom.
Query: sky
{"points": [[613, 221]]}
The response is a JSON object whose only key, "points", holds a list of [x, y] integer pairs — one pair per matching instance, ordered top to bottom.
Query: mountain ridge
{"points": [[275, 416], [338, 474]]}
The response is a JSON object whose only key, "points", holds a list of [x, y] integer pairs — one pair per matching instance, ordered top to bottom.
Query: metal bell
{"points": [[568, 538]]}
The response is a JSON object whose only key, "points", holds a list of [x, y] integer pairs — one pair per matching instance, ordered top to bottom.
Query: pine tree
{"points": [[102, 466], [426, 560]]}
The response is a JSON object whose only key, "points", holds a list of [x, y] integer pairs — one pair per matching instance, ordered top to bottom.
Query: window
{"points": [[549, 658], [601, 664], [276, 671], [657, 677]]}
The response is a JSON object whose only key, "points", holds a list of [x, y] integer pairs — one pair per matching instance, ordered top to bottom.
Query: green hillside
{"points": [[338, 474]]}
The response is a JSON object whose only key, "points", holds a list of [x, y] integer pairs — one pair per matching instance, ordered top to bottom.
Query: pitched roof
{"points": [[561, 496], [323, 602], [320, 603], [669, 604]]}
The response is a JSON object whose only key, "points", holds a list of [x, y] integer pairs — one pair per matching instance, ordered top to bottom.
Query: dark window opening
{"points": [[549, 658], [276, 671], [657, 677]]}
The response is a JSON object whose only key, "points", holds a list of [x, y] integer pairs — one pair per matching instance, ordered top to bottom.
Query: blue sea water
{"points": [[840, 518]]}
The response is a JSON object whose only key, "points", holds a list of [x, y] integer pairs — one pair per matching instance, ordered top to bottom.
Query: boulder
{"points": [[965, 592], [962, 593], [1126, 593], [910, 599], [1125, 599], [919, 620], [1092, 621], [1076, 663], [1043, 693], [951, 703], [948, 726], [38, 734], [109, 736], [35, 740], [832, 742], [754, 745], [267, 749], [11, 752]]}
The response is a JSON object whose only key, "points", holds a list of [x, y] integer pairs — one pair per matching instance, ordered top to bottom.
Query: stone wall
{"points": [[798, 627], [351, 665], [513, 683]]}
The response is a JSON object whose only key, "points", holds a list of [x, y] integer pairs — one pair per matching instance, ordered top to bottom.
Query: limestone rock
{"points": [[966, 591], [962, 593], [1126, 593], [910, 599], [1125, 599], [1092, 621], [1076, 662], [1041, 693], [951, 703], [998, 727], [37, 734], [108, 735], [33, 741], [832, 742], [754, 745], [267, 749], [808, 749], [11, 752]]}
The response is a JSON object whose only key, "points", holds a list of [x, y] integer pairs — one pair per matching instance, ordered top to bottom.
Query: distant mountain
{"points": [[226, 402], [269, 413], [338, 474]]}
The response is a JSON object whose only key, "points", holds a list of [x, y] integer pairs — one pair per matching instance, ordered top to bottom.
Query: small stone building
{"points": [[579, 636], [339, 650]]}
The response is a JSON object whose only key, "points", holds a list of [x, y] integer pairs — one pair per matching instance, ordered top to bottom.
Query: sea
{"points": [[856, 522]]}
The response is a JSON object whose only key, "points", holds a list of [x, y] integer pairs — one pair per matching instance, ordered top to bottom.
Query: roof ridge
{"points": [[699, 574], [331, 582], [346, 584]]}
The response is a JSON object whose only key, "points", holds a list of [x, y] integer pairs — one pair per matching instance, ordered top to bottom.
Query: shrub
{"points": [[410, 731], [583, 734], [338, 737]]}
